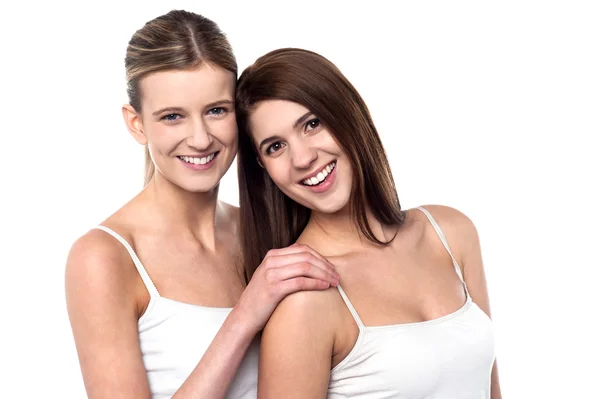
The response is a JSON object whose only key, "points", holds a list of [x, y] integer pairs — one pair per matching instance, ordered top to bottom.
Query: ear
{"points": [[133, 121], [259, 162]]}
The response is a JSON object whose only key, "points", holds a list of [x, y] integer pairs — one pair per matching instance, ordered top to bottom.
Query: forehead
{"points": [[191, 88], [274, 118]]}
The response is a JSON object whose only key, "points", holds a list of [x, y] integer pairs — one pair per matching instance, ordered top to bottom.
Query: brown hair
{"points": [[176, 40], [269, 219]]}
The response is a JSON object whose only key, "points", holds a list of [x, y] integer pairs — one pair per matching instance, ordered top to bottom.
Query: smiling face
{"points": [[187, 120], [301, 156]]}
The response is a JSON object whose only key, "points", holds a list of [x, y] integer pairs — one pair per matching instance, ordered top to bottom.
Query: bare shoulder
{"points": [[231, 210], [231, 213], [451, 217], [458, 228], [95, 247], [96, 260], [308, 303], [103, 309], [311, 309], [297, 346]]}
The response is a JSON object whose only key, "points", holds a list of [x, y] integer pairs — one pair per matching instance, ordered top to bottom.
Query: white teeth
{"points": [[197, 160], [320, 176]]}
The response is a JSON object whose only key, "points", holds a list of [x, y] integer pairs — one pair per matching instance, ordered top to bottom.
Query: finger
{"points": [[299, 248], [314, 253], [302, 257], [303, 270], [302, 284]]}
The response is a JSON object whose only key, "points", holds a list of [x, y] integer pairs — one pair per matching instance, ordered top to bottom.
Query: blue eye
{"points": [[217, 111], [171, 117]]}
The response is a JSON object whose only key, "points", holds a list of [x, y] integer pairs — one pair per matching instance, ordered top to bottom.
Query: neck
{"points": [[182, 211], [339, 233]]}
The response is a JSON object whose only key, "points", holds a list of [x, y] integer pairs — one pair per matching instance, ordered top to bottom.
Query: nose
{"points": [[200, 137], [303, 155]]}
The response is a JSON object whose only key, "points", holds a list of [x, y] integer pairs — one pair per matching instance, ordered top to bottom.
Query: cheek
{"points": [[226, 131], [163, 137], [332, 145], [278, 171]]}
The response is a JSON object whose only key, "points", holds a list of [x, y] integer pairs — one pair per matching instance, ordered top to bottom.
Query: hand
{"points": [[282, 272]]}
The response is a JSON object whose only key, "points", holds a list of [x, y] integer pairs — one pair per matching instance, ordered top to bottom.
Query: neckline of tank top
{"points": [[192, 305], [438, 320]]}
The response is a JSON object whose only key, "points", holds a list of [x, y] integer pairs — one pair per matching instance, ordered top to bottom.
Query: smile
{"points": [[198, 160], [319, 177]]}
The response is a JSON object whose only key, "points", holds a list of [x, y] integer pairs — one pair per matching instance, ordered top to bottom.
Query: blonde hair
{"points": [[176, 40]]}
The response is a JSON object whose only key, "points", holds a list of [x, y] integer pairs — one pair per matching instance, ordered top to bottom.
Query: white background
{"points": [[489, 107]]}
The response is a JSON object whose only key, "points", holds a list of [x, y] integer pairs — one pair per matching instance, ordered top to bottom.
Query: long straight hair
{"points": [[178, 40], [270, 219]]}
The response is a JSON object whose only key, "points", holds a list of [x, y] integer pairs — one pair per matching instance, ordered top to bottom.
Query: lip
{"points": [[202, 155], [205, 166], [316, 172], [325, 184]]}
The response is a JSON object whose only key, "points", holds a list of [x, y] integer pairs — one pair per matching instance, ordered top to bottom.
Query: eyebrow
{"points": [[220, 102], [168, 109], [179, 109], [302, 119], [298, 122]]}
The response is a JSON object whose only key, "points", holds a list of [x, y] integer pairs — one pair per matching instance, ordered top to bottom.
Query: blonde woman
{"points": [[156, 295]]}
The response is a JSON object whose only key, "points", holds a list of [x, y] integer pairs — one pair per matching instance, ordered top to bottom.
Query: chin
{"points": [[191, 186], [203, 187], [334, 203], [329, 208]]}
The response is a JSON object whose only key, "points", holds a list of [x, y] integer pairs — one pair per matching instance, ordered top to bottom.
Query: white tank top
{"points": [[175, 335], [446, 358]]}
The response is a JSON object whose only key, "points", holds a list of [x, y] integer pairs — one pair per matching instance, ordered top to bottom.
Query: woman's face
{"points": [[189, 125], [301, 155]]}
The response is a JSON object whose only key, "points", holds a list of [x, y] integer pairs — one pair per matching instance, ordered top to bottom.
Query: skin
{"points": [[187, 240], [312, 332]]}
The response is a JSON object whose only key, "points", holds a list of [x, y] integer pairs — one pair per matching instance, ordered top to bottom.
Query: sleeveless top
{"points": [[175, 335], [450, 357]]}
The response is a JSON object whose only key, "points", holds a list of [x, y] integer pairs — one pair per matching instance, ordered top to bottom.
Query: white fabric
{"points": [[174, 336], [446, 358]]}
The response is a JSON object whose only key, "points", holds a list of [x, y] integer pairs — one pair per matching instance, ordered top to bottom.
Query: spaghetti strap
{"points": [[442, 237], [138, 264], [351, 308]]}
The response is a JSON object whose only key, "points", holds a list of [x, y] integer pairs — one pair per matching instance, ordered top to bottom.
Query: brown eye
{"points": [[312, 124], [274, 147]]}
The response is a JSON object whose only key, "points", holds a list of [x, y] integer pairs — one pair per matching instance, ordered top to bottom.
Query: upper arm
{"points": [[463, 240], [103, 314], [296, 348]]}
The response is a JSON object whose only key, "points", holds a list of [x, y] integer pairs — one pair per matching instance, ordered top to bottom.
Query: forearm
{"points": [[214, 373], [495, 389]]}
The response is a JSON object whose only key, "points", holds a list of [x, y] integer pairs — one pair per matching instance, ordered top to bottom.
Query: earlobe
{"points": [[133, 122]]}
